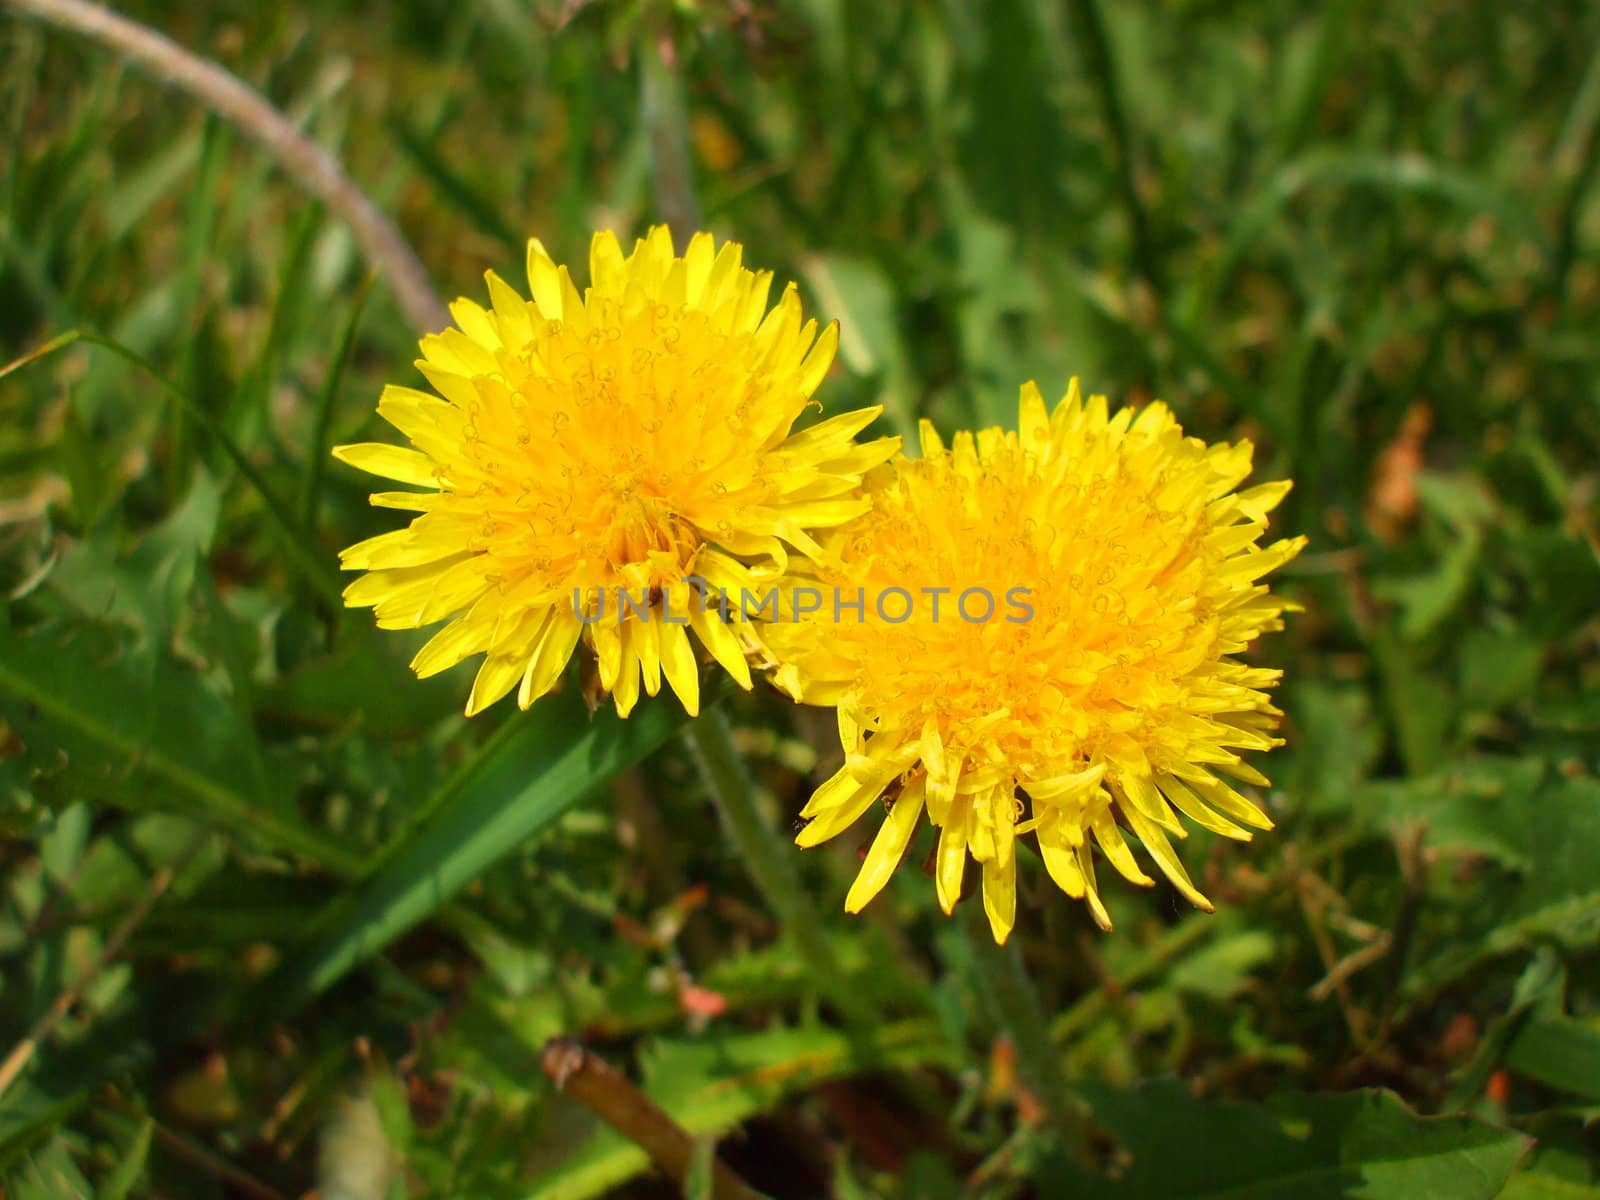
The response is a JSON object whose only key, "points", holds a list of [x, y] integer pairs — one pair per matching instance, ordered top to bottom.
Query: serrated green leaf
{"points": [[141, 733], [1352, 1146]]}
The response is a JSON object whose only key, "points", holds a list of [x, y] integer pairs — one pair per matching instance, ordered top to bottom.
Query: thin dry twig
{"points": [[241, 105], [1313, 896], [1375, 951], [604, 1091], [241, 1181]]}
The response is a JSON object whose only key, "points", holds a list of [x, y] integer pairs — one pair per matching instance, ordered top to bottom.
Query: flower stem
{"points": [[768, 859], [1014, 1005]]}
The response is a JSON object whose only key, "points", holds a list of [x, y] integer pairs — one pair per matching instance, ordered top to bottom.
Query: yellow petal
{"points": [[698, 260], [607, 270], [544, 281], [510, 311], [475, 323], [819, 359], [1033, 422], [390, 462], [1260, 500], [414, 501], [645, 636], [717, 637], [460, 639], [607, 640], [550, 656], [679, 666], [497, 676], [625, 691], [1060, 787], [839, 788], [1140, 792], [1229, 802], [1191, 806], [835, 820], [893, 836], [1116, 850], [1161, 850], [951, 861], [1062, 863], [1091, 892], [1000, 898]]}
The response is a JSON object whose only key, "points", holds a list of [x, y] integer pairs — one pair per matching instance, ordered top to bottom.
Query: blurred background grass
{"points": [[1364, 236]]}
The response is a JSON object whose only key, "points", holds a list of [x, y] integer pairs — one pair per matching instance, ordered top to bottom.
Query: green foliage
{"points": [[1365, 237], [1356, 1144]]}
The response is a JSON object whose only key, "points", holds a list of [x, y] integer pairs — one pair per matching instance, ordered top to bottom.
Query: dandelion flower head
{"points": [[590, 454], [1104, 697]]}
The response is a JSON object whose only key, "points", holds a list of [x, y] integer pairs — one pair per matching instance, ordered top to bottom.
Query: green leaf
{"points": [[860, 296], [306, 555], [147, 587], [363, 683], [139, 732], [1334, 741], [527, 775], [1524, 815], [1222, 968], [1540, 987], [1558, 1051], [28, 1115], [1352, 1146], [1563, 1166], [1538, 1185]]}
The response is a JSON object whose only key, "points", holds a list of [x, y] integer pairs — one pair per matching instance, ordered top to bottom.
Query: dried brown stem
{"points": [[242, 106], [666, 120], [606, 1092]]}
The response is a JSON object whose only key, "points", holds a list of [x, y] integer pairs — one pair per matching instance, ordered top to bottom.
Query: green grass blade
{"points": [[1089, 24], [1401, 175], [454, 188], [249, 402], [316, 463], [529, 774], [131, 1169]]}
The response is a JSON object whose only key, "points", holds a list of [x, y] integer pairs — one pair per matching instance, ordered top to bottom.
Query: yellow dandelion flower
{"points": [[593, 457], [1036, 632]]}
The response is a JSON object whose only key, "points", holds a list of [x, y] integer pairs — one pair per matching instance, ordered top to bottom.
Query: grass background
{"points": [[1364, 236]]}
